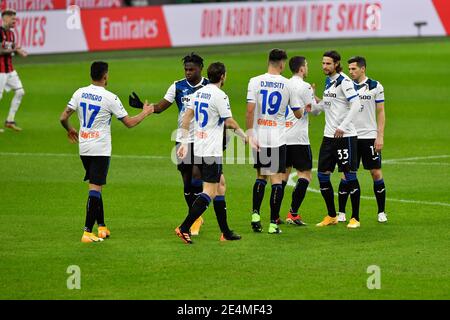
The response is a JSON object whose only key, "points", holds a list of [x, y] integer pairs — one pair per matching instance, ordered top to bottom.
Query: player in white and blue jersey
{"points": [[180, 92], [268, 96], [95, 107], [210, 109], [369, 124], [339, 145], [298, 148]]}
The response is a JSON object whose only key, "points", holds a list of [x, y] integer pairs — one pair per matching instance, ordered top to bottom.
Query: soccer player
{"points": [[9, 79], [180, 92], [268, 97], [95, 107], [211, 111], [370, 134], [339, 145], [298, 149]]}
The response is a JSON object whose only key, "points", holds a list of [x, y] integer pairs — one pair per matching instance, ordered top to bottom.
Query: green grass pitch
{"points": [[42, 196]]}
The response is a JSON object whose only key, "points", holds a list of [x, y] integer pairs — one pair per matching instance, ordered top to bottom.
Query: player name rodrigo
{"points": [[204, 311]]}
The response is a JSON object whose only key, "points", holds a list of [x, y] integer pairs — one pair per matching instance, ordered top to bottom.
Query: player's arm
{"points": [[6, 51], [21, 52], [167, 101], [295, 102], [354, 103], [162, 105], [315, 108], [298, 112], [249, 119], [381, 120], [131, 122], [185, 123], [230, 123], [72, 133]]}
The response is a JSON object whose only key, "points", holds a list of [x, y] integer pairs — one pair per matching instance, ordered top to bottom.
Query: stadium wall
{"points": [[73, 30]]}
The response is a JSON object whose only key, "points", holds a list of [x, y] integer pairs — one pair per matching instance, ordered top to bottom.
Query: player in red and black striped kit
{"points": [[9, 79]]}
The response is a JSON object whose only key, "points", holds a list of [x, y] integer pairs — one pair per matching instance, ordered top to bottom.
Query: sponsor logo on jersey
{"points": [[330, 95], [365, 97], [267, 123], [89, 134], [201, 134]]}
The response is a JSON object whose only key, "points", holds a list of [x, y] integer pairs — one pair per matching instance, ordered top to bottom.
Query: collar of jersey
{"points": [[333, 78], [365, 81], [200, 82]]}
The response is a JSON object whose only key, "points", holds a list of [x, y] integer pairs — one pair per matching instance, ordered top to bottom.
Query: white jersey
{"points": [[339, 91], [180, 92], [370, 93], [271, 94], [95, 107], [211, 107], [297, 129]]}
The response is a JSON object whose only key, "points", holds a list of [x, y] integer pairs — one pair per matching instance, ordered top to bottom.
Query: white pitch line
{"points": [[27, 154], [417, 158], [388, 161], [443, 164], [290, 182], [397, 200], [443, 204]]}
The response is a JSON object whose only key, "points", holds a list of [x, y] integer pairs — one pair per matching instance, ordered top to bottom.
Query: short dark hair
{"points": [[8, 12], [277, 55], [193, 58], [336, 58], [360, 61], [296, 62], [98, 70], [215, 71]]}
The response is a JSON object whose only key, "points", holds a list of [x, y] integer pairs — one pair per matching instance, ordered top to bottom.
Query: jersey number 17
{"points": [[95, 110]]}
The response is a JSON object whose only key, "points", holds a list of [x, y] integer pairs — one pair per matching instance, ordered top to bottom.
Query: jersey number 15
{"points": [[200, 108]]}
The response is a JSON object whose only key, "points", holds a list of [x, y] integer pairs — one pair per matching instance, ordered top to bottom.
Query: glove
{"points": [[134, 101]]}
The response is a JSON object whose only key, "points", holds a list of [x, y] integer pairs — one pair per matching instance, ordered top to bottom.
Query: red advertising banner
{"points": [[37, 5], [443, 10], [109, 29]]}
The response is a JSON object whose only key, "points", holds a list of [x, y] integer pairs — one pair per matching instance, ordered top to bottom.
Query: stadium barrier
{"points": [[37, 5], [74, 30]]}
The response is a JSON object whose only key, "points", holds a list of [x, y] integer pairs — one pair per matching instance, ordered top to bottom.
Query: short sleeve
{"points": [[349, 89], [170, 94], [307, 95], [379, 96], [251, 97], [294, 98], [73, 103], [223, 107], [117, 108]]}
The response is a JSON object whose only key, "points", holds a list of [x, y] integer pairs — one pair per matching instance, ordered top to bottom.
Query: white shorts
{"points": [[10, 81]]}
